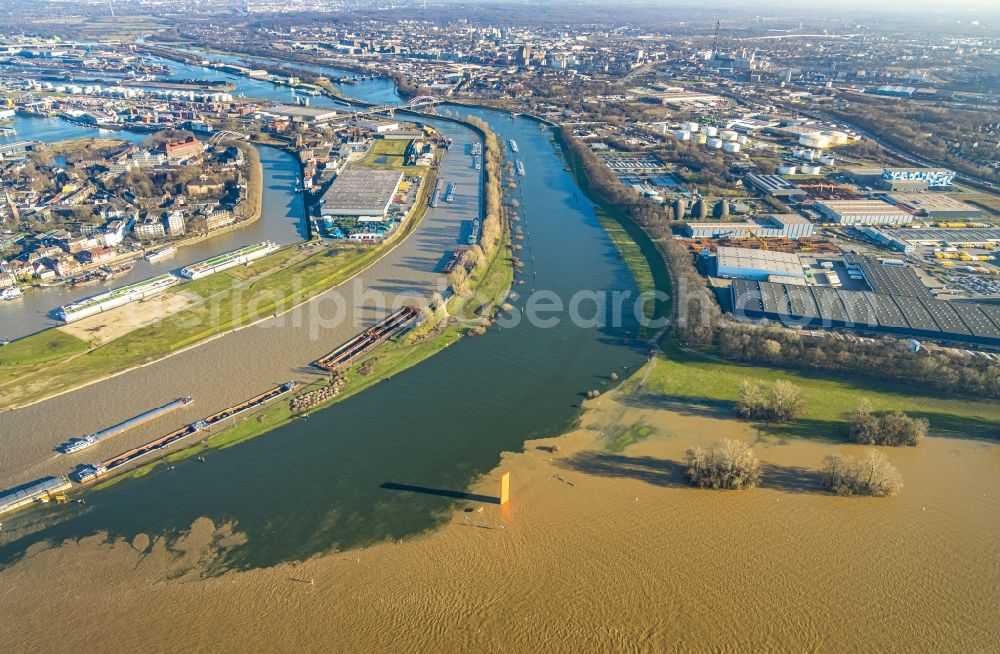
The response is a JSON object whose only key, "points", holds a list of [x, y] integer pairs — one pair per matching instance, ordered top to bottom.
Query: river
{"points": [[328, 481]]}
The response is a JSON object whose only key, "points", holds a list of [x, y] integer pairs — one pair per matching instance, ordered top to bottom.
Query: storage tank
{"points": [[690, 126], [711, 130], [683, 134], [727, 135], [700, 137], [835, 137], [742, 140], [814, 140], [715, 144], [732, 147], [827, 160], [786, 169], [810, 169], [680, 207], [700, 209], [721, 209]]}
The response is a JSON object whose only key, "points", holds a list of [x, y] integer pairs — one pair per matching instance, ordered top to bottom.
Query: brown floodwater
{"points": [[597, 551]]}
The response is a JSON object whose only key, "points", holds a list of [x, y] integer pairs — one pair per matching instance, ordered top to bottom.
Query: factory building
{"points": [[298, 114], [916, 179], [901, 180], [774, 186], [362, 193], [935, 205], [863, 212], [787, 225], [955, 237], [743, 263], [900, 315]]}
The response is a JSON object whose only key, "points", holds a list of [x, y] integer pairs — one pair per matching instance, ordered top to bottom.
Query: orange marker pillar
{"points": [[504, 488]]}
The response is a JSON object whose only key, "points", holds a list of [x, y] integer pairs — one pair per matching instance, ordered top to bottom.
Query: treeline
{"points": [[939, 133], [696, 313], [882, 359]]}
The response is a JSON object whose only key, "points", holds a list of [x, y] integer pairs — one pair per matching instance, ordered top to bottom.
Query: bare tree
{"points": [[731, 464], [873, 475]]}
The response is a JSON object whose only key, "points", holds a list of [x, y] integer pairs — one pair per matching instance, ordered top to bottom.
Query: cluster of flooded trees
{"points": [[890, 428], [732, 465]]}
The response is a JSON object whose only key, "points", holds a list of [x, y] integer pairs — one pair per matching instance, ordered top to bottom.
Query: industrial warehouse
{"points": [[363, 193], [787, 225], [915, 317]]}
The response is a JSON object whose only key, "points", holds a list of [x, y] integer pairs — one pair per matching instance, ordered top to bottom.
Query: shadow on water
{"points": [[672, 474], [441, 492]]}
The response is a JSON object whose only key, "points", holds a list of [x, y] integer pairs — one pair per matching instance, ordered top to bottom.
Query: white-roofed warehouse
{"points": [[364, 193]]}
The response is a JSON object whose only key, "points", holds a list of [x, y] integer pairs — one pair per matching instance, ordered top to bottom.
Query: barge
{"points": [[513, 146], [520, 167], [449, 194], [436, 196], [474, 232], [456, 259], [229, 260], [114, 298], [367, 340], [78, 444], [89, 473], [40, 490]]}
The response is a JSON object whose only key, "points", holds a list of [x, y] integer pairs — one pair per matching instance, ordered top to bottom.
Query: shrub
{"points": [[775, 402], [892, 428], [731, 464], [873, 475]]}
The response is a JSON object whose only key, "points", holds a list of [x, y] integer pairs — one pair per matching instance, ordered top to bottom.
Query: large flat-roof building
{"points": [[299, 113], [362, 193], [935, 205], [863, 212], [786, 225], [745, 263]]}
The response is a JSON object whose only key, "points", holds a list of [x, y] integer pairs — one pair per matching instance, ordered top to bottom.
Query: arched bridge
{"points": [[225, 135]]}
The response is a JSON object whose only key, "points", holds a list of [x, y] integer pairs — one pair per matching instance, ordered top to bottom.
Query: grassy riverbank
{"points": [[698, 384]]}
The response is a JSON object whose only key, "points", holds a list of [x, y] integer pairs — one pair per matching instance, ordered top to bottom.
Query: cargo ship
{"points": [[513, 146], [520, 168], [449, 194], [436, 196], [474, 232], [160, 254], [456, 259], [229, 260], [108, 273], [10, 293], [96, 304], [367, 340], [78, 444], [89, 473], [42, 490]]}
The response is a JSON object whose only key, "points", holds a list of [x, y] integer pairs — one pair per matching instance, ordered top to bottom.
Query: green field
{"points": [[389, 154], [693, 383]]}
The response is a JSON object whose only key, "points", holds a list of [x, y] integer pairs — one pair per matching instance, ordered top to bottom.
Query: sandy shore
{"points": [[597, 551]]}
